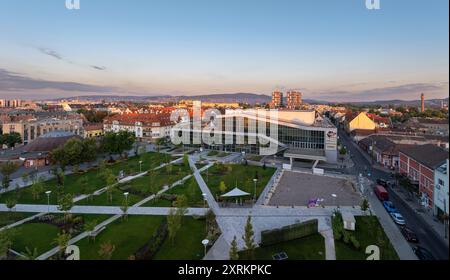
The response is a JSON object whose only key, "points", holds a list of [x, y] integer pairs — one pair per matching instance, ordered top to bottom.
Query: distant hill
{"points": [[251, 98]]}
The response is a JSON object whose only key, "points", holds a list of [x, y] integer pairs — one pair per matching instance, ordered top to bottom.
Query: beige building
{"points": [[293, 99], [33, 128]]}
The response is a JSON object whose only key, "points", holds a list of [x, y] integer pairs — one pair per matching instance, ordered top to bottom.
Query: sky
{"points": [[330, 50]]}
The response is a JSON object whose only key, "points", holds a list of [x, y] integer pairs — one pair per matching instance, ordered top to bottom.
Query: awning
{"points": [[235, 193]]}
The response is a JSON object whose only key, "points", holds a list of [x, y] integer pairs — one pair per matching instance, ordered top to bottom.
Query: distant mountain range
{"points": [[251, 98]]}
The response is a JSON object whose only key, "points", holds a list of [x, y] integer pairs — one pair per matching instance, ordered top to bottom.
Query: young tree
{"points": [[6, 169], [169, 169], [222, 187], [37, 188], [10, 203], [65, 203], [365, 205], [124, 208], [173, 224], [89, 227], [249, 238], [62, 240], [5, 242], [106, 250], [29, 255], [234, 255]]}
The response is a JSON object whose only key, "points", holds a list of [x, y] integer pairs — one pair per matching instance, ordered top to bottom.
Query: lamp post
{"points": [[140, 166], [254, 194], [126, 197], [334, 199], [48, 200], [205, 243]]}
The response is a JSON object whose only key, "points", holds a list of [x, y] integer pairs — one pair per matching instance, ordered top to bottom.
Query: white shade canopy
{"points": [[235, 193]]}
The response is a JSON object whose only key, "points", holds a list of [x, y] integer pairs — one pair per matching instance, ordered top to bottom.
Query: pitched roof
{"points": [[429, 155]]}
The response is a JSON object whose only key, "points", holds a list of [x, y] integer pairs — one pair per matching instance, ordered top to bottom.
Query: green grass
{"points": [[212, 153], [241, 176], [72, 182], [190, 189], [7, 218], [368, 232], [34, 235], [127, 237], [187, 244], [306, 248]]}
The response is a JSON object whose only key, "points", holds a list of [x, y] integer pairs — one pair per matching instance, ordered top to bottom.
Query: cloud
{"points": [[50, 52], [54, 54], [101, 68], [12, 82], [404, 92]]}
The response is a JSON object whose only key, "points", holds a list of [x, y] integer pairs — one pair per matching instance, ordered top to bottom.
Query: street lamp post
{"points": [[140, 166], [254, 194], [48, 200], [205, 243]]}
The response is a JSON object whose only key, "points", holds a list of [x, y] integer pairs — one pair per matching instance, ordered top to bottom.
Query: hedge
{"points": [[295, 231]]}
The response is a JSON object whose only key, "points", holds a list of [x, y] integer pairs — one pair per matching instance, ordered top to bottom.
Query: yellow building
{"points": [[361, 122], [93, 130]]}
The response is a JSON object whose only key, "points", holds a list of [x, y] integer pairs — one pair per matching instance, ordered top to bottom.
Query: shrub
{"points": [[269, 237]]}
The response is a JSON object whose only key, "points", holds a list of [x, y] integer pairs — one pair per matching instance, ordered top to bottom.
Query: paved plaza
{"points": [[298, 189]]}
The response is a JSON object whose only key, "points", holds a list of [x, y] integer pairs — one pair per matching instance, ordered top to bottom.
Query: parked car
{"points": [[382, 182], [381, 193], [389, 206], [398, 218], [409, 234], [423, 254]]}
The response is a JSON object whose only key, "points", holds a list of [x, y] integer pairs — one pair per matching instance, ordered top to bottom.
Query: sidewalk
{"points": [[426, 215]]}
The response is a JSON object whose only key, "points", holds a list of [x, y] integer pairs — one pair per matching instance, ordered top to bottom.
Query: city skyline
{"points": [[329, 51]]}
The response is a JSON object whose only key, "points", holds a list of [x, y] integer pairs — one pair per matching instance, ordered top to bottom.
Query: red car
{"points": [[409, 235]]}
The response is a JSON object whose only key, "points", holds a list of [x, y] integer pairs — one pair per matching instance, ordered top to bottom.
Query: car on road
{"points": [[382, 182], [381, 193], [389, 206], [398, 218], [409, 234], [423, 254]]}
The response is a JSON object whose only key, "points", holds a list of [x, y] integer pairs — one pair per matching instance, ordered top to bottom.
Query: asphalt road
{"points": [[427, 237]]}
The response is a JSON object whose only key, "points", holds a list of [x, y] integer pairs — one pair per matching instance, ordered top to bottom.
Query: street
{"points": [[427, 237]]}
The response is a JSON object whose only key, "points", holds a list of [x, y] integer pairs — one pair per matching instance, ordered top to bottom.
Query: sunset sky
{"points": [[331, 50]]}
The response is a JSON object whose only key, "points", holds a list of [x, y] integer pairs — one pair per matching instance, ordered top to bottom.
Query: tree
{"points": [[10, 139], [160, 142], [117, 143], [185, 160], [6, 169], [169, 169], [60, 176], [110, 180], [222, 187], [37, 188], [10, 203], [65, 203], [365, 205], [124, 208], [173, 224], [89, 227], [249, 238], [62, 240], [5, 242], [106, 250], [29, 254], [234, 256]]}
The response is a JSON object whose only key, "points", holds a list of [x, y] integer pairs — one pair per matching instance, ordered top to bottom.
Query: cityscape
{"points": [[204, 154]]}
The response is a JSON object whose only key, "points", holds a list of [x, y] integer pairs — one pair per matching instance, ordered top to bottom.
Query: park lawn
{"points": [[241, 176], [72, 182], [190, 189], [118, 199], [7, 218], [368, 232], [34, 235], [126, 235], [187, 244], [307, 248]]}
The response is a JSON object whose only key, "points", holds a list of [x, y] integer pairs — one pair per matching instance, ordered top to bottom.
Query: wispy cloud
{"points": [[50, 52], [55, 54], [101, 68], [12, 82]]}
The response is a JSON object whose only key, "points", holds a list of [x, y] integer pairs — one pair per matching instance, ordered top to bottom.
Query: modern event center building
{"points": [[294, 134]]}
